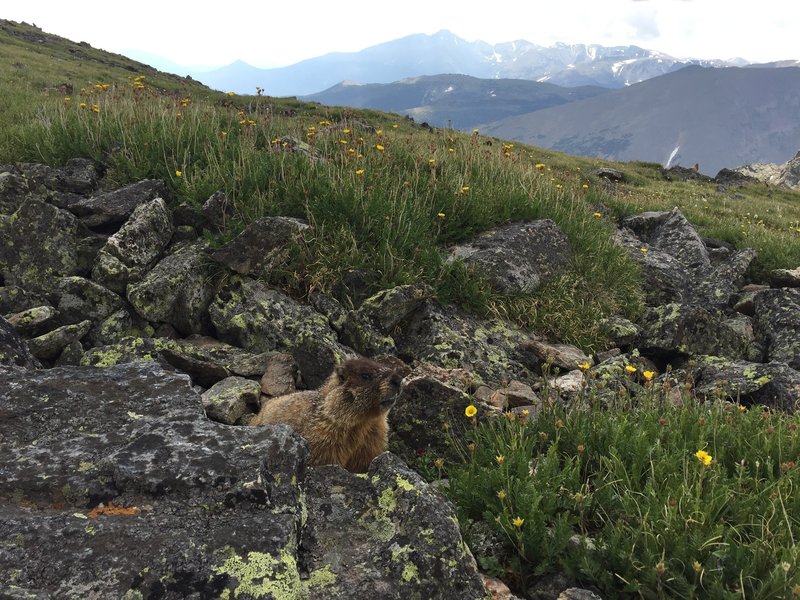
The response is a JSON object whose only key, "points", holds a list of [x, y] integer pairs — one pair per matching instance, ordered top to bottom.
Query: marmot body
{"points": [[345, 420]]}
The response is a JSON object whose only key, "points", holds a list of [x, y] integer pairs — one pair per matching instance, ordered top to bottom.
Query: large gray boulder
{"points": [[114, 208], [38, 244], [261, 246], [135, 247], [518, 257], [676, 264], [177, 290], [250, 314], [777, 324], [13, 349], [771, 384], [116, 485]]}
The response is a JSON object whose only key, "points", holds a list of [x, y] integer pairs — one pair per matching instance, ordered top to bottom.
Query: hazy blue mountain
{"points": [[443, 52], [458, 101], [714, 117]]}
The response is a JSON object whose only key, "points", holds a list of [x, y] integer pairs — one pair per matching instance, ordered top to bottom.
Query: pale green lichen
{"points": [[405, 484], [260, 575], [320, 578]]}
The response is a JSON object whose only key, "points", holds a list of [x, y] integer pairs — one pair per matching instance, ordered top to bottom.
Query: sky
{"points": [[273, 34]]}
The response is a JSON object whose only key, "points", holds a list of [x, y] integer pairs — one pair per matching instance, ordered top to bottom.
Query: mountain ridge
{"points": [[444, 52]]}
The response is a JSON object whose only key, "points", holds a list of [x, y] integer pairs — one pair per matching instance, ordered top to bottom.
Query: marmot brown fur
{"points": [[345, 420]]}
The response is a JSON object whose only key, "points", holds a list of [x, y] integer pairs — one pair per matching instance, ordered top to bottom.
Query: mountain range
{"points": [[443, 52], [713, 117]]}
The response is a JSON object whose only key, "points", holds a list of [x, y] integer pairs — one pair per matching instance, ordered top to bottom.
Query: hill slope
{"points": [[457, 101], [715, 117]]}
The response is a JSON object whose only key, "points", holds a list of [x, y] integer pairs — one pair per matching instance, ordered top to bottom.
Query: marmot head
{"points": [[373, 387]]}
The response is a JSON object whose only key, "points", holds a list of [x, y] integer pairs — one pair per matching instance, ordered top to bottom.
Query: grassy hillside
{"points": [[386, 195], [681, 499]]}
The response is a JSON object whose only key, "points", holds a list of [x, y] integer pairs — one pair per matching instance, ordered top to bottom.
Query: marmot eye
{"points": [[366, 375]]}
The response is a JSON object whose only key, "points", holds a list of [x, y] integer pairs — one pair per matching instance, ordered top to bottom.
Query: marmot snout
{"points": [[345, 420]]}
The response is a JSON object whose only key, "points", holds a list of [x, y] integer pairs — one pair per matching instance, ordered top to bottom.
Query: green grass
{"points": [[619, 499]]}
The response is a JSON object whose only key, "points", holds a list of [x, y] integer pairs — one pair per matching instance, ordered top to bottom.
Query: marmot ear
{"points": [[341, 371]]}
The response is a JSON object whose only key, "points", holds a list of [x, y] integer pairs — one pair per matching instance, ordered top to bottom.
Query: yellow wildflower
{"points": [[231, 93], [379, 147], [539, 166], [360, 172], [178, 173], [598, 214], [441, 215], [644, 250], [584, 366], [630, 368], [648, 375], [470, 411], [704, 457], [500, 459], [439, 462], [501, 494], [517, 522]]}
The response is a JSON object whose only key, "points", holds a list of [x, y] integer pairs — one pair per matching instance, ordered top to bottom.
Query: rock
{"points": [[678, 173], [614, 175], [784, 175], [77, 176], [727, 177], [13, 192], [114, 208], [217, 210], [38, 243], [261, 246], [135, 247], [517, 258], [676, 264], [789, 278], [177, 290], [15, 299], [80, 299], [743, 302], [388, 308], [249, 314], [34, 321], [120, 324], [777, 324], [677, 329], [620, 331], [447, 338], [49, 345], [13, 350], [560, 356], [280, 375], [570, 384], [772, 384], [520, 394], [228, 400], [420, 417], [122, 488], [402, 538], [578, 594]]}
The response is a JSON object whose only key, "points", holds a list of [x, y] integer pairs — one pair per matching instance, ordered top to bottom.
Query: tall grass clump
{"points": [[385, 197], [647, 498]]}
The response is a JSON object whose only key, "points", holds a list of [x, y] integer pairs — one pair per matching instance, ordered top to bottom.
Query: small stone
{"points": [[280, 375], [230, 399]]}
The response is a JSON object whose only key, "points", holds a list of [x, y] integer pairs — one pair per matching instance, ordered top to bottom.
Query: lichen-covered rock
{"points": [[77, 176], [13, 191], [113, 208], [217, 210], [38, 243], [261, 246], [135, 247], [518, 257], [676, 264], [789, 278], [177, 290], [14, 298], [80, 299], [386, 309], [249, 314], [34, 321], [120, 324], [777, 324], [677, 329], [620, 331], [49, 345], [13, 350], [493, 351], [560, 356], [772, 384], [228, 400], [420, 417], [135, 494], [144, 495], [403, 541]]}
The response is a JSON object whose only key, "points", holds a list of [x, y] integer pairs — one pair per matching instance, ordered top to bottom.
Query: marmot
{"points": [[345, 420]]}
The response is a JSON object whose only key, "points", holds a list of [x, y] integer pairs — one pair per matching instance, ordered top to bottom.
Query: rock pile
{"points": [[129, 348]]}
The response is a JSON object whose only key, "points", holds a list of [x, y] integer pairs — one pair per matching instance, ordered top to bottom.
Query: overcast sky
{"points": [[270, 34]]}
